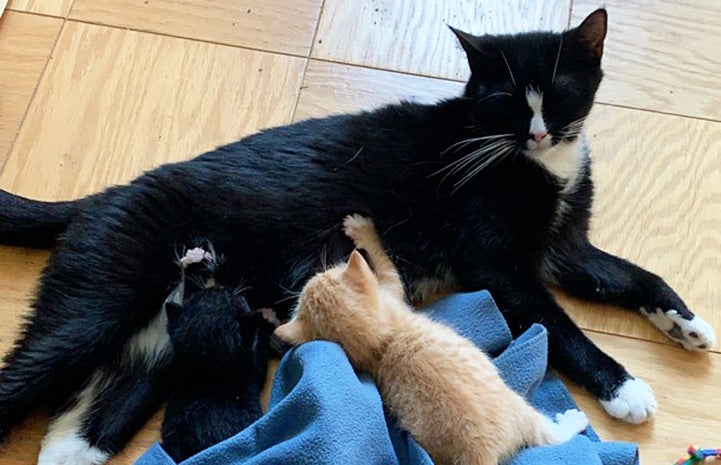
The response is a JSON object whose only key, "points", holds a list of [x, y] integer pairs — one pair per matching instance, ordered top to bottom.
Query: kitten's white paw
{"points": [[357, 226], [693, 334], [634, 402], [574, 421], [567, 425], [70, 449]]}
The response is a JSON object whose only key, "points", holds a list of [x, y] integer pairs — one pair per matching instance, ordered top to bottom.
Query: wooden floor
{"points": [[93, 92]]}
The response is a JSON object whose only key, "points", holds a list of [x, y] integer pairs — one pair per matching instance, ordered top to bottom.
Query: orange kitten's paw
{"points": [[359, 228], [567, 425]]}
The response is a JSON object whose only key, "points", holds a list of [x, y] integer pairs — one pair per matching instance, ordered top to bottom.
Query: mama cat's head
{"points": [[536, 88]]}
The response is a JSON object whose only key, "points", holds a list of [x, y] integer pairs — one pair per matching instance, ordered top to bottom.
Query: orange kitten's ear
{"points": [[359, 274], [292, 332]]}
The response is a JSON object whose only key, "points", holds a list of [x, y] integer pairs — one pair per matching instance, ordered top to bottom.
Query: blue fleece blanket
{"points": [[322, 412]]}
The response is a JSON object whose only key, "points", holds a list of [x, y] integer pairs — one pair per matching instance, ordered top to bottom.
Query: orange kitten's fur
{"points": [[439, 385]]}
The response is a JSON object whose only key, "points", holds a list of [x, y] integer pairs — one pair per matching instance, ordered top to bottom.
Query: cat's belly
{"points": [[428, 288]]}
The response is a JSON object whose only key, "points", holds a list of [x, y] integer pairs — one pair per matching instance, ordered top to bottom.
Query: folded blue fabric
{"points": [[324, 413]]}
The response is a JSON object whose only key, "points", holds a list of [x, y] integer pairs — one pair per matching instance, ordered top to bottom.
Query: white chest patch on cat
{"points": [[563, 160]]}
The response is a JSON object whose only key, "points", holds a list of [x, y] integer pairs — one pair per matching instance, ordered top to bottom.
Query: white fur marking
{"points": [[535, 103], [563, 160], [665, 321], [150, 343], [634, 402], [567, 425], [63, 444]]}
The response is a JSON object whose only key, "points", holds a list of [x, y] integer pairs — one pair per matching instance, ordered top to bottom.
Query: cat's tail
{"points": [[33, 223]]}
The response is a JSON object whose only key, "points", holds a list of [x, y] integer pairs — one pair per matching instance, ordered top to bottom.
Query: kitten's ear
{"points": [[589, 36], [358, 273], [292, 332]]}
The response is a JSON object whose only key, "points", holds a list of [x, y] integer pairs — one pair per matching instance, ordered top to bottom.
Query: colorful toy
{"points": [[696, 455]]}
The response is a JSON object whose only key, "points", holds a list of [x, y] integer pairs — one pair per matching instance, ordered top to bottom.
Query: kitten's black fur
{"points": [[274, 201], [219, 368]]}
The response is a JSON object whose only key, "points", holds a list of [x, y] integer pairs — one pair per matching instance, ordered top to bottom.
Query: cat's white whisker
{"points": [[503, 55], [558, 58], [465, 142], [501, 152], [478, 154], [466, 159]]}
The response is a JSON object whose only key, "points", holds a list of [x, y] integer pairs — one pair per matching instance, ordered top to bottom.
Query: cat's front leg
{"points": [[365, 236], [588, 273], [524, 302]]}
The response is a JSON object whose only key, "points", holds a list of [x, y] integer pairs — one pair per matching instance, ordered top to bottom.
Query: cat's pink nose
{"points": [[538, 136]]}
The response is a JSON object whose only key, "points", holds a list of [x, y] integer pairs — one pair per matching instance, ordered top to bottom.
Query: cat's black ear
{"points": [[589, 36], [473, 46]]}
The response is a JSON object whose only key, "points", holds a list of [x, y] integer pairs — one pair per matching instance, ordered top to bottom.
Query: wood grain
{"points": [[45, 7], [276, 25], [411, 36], [25, 43], [662, 55], [337, 88], [118, 102], [658, 204], [686, 387]]}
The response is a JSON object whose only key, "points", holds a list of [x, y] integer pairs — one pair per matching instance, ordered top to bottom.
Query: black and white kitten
{"points": [[490, 190], [218, 371]]}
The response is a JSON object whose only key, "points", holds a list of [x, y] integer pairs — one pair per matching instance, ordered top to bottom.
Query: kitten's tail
{"points": [[33, 223]]}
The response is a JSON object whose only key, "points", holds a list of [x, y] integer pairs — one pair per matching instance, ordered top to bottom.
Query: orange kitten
{"points": [[439, 385]]}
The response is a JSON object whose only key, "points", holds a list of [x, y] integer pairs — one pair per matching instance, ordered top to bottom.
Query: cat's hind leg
{"points": [[364, 235], [586, 272], [47, 364], [116, 402]]}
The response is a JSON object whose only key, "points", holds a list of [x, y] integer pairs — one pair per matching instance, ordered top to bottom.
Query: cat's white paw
{"points": [[357, 227], [693, 334], [634, 402], [567, 425], [70, 449]]}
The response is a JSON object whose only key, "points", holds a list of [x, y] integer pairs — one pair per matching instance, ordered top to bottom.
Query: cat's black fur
{"points": [[274, 201], [217, 372]]}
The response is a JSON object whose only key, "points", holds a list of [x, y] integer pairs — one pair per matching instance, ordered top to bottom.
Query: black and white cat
{"points": [[490, 190]]}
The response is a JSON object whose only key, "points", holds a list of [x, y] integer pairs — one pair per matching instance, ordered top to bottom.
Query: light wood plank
{"points": [[45, 7], [276, 25], [412, 36], [25, 43], [663, 55], [337, 88], [118, 102], [658, 204], [686, 387]]}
